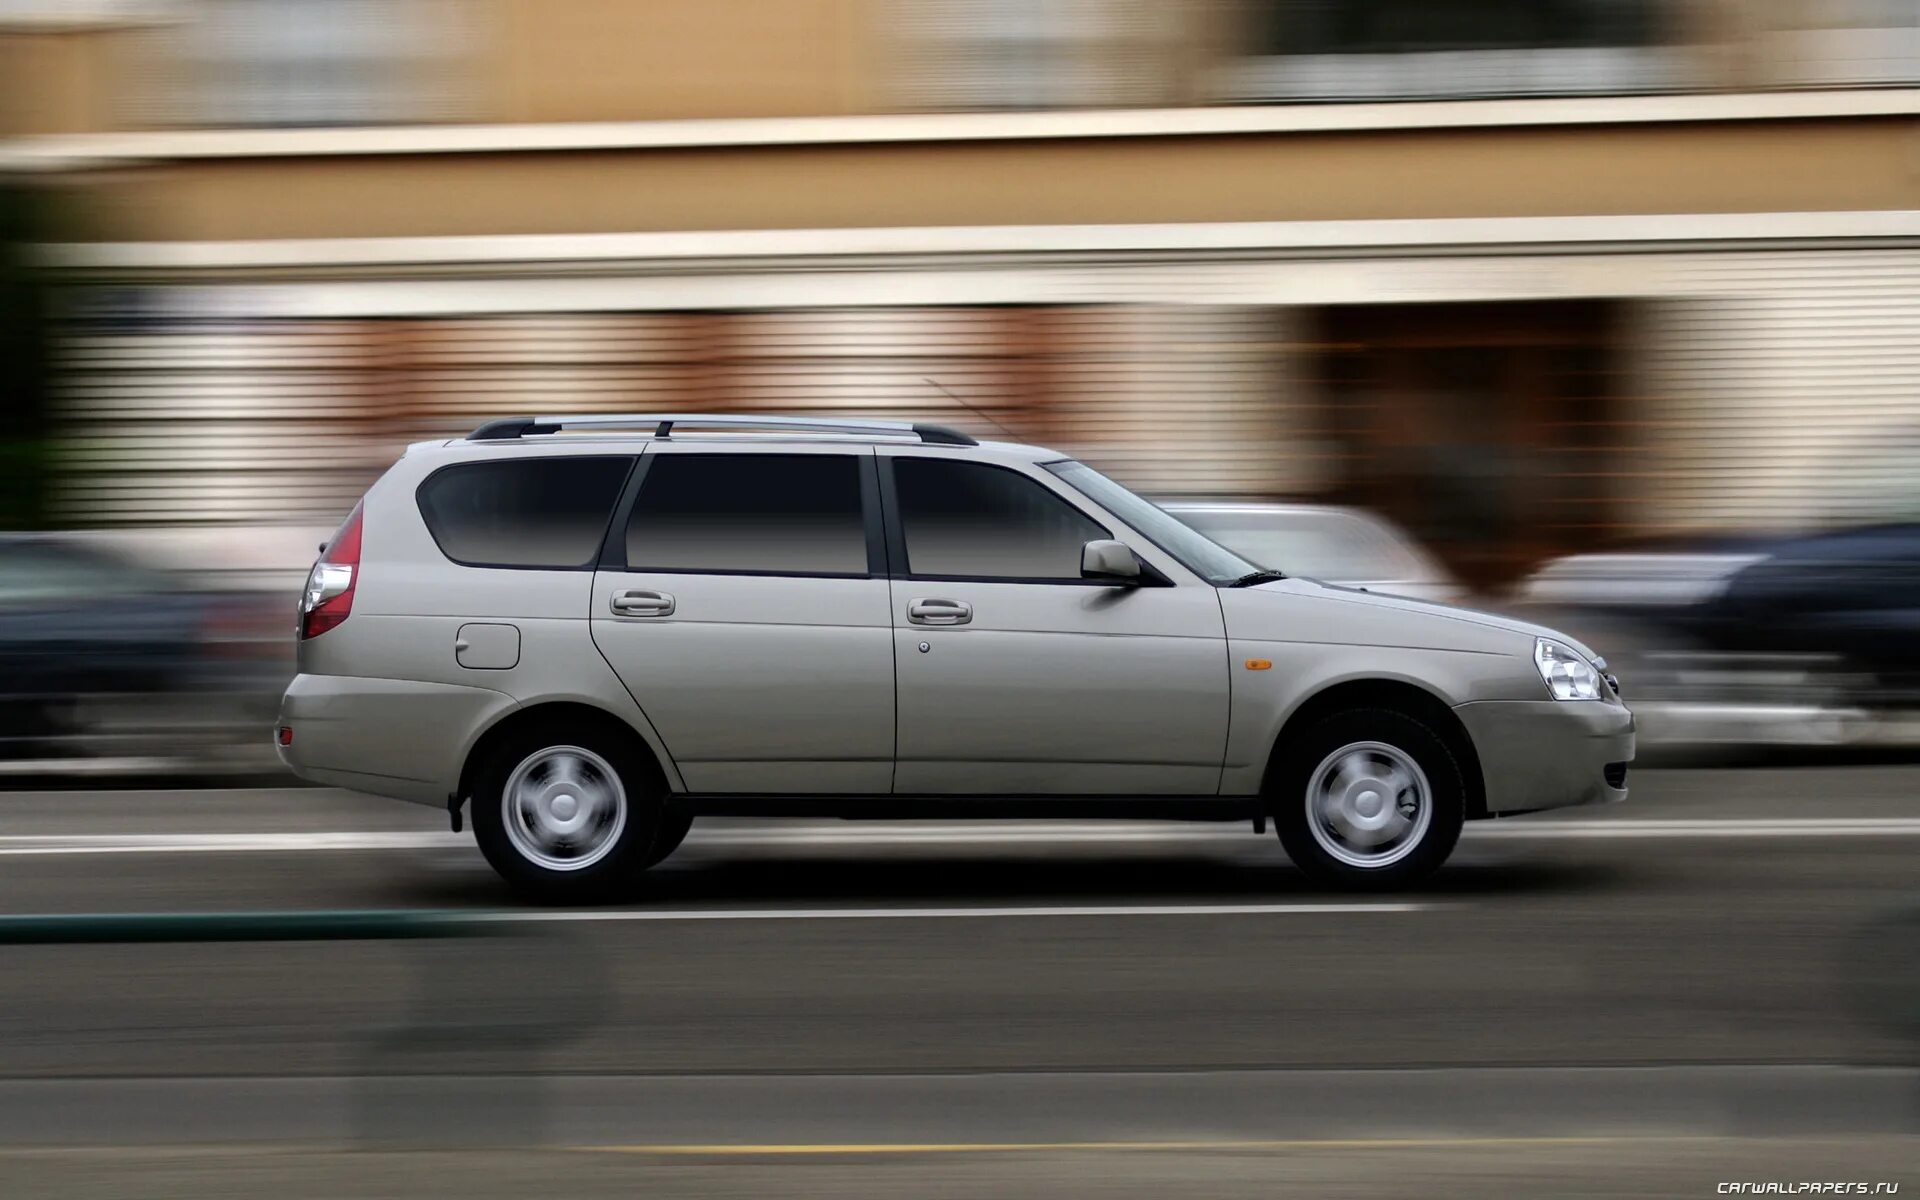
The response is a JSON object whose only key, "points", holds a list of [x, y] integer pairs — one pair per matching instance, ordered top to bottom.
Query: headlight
{"points": [[1567, 674]]}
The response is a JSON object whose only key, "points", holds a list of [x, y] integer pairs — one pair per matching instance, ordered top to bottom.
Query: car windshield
{"points": [[1336, 546], [1197, 552]]}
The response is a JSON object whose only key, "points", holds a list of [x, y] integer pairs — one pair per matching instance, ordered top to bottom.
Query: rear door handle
{"points": [[640, 603], [939, 612]]}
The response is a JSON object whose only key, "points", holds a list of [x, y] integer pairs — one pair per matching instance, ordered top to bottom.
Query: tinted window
{"points": [[532, 512], [797, 513], [972, 519], [1197, 552]]}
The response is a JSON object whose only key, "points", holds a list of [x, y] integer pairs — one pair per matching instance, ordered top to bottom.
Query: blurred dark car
{"points": [[1788, 638], [101, 655]]}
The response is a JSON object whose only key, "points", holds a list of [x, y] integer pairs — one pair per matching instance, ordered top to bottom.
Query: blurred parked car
{"points": [[1325, 542], [1791, 638], [102, 657]]}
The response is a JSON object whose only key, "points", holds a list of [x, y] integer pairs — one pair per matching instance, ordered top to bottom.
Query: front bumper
{"points": [[1537, 754]]}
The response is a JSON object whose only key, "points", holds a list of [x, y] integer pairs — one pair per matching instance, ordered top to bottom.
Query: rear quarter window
{"points": [[534, 512]]}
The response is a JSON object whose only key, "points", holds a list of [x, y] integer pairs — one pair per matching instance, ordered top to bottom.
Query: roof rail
{"points": [[663, 423]]}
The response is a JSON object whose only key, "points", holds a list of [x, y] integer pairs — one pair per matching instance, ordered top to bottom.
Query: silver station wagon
{"points": [[588, 631]]}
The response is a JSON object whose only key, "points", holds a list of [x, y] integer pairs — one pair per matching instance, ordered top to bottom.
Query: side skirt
{"points": [[986, 808]]}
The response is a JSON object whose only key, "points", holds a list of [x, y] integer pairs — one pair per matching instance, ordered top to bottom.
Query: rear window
{"points": [[530, 512], [785, 514]]}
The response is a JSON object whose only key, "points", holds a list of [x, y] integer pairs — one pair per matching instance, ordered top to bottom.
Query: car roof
{"points": [[626, 431], [633, 442], [1274, 508]]}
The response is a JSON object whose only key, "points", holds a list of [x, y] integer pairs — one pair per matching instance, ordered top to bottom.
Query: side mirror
{"points": [[1110, 562]]}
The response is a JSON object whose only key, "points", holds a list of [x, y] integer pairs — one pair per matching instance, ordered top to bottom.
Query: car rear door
{"points": [[742, 599], [1019, 677]]}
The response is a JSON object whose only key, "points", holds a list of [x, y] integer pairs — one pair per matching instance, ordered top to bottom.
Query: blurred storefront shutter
{"points": [[878, 362], [446, 376], [1777, 387], [1186, 399], [287, 421], [177, 423]]}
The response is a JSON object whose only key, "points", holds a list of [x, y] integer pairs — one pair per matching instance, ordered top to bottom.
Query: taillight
{"points": [[329, 596]]}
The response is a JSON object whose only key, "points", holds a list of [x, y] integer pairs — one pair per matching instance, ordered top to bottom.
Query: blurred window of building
{"points": [[1843, 43], [1333, 50], [1026, 54], [311, 62]]}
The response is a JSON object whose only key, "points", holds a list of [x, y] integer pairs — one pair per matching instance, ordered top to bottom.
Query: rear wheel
{"points": [[1369, 798], [569, 815]]}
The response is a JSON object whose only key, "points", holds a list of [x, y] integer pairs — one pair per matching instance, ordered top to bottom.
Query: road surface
{"points": [[1716, 981]]}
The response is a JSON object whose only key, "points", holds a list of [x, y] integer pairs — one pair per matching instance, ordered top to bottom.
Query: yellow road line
{"points": [[750, 1149]]}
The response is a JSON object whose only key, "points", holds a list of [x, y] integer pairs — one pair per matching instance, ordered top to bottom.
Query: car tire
{"points": [[1368, 799], [569, 815]]}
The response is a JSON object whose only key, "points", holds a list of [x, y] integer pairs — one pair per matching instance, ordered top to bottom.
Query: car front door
{"points": [[743, 602], [1016, 676]]}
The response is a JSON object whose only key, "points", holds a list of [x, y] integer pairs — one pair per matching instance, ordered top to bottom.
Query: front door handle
{"points": [[641, 603], [939, 612]]}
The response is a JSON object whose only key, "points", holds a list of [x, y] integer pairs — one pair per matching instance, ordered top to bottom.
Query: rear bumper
{"points": [[390, 737], [1537, 754]]}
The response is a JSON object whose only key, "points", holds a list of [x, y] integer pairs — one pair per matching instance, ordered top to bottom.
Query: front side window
{"points": [[530, 512], [774, 514], [974, 520], [1197, 552]]}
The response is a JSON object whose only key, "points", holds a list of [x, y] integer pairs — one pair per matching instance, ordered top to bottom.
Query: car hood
{"points": [[1354, 614]]}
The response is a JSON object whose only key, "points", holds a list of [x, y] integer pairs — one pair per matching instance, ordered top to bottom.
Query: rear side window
{"points": [[530, 512], [790, 514], [980, 521]]}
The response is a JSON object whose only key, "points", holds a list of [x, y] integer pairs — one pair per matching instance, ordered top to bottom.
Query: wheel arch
{"points": [[1399, 695], [552, 712]]}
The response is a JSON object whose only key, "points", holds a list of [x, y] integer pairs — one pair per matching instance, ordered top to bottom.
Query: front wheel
{"points": [[1370, 798], [567, 815]]}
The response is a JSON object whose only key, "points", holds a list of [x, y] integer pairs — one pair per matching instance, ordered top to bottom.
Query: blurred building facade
{"points": [[1530, 277]]}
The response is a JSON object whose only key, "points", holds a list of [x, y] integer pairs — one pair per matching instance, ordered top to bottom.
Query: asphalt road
{"points": [[1718, 980]]}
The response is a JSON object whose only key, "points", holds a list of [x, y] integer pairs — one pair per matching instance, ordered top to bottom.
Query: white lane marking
{"points": [[83, 766], [1760, 828], [1013, 833], [995, 834], [211, 843], [866, 914]]}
